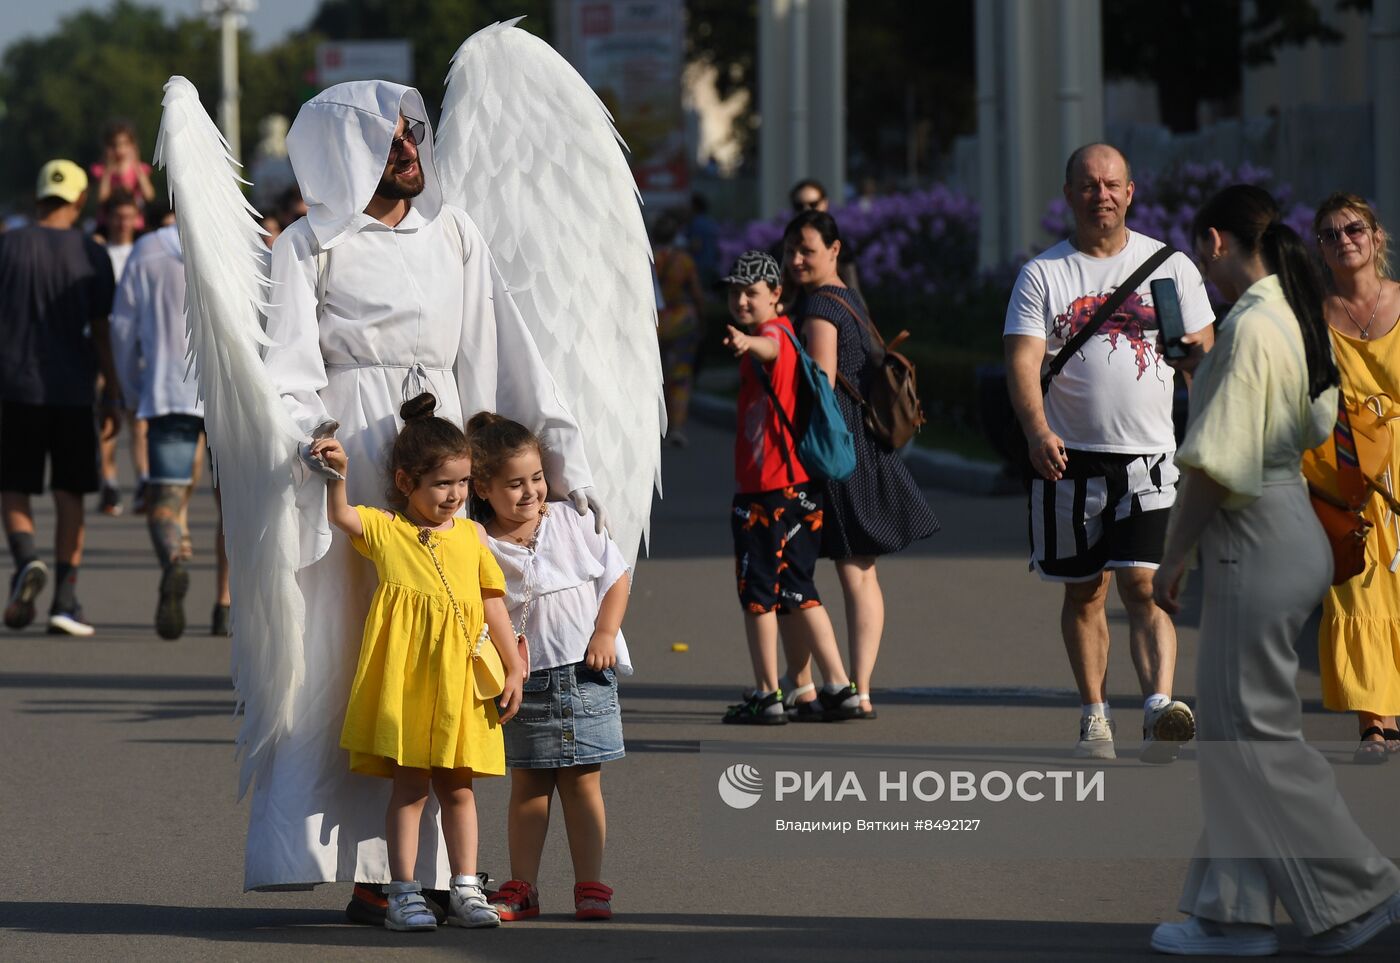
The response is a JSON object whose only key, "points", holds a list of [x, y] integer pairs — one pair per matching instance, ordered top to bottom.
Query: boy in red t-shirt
{"points": [[777, 514]]}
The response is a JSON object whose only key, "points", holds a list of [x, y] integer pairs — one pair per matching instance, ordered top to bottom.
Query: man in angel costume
{"points": [[387, 288], [409, 302]]}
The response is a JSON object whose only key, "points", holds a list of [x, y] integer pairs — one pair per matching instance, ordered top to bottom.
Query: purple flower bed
{"points": [[924, 242]]}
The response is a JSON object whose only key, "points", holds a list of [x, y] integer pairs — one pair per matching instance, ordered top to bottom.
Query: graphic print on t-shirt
{"points": [[1134, 322]]}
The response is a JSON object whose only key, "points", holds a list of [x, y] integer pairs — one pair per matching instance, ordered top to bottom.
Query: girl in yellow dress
{"points": [[1359, 642], [421, 710]]}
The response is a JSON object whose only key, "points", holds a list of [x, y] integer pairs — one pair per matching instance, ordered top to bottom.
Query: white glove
{"points": [[326, 429], [585, 499]]}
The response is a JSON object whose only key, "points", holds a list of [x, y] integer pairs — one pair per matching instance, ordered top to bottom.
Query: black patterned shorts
{"points": [[777, 536]]}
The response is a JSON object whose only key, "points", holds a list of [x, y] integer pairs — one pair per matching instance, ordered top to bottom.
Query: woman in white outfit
{"points": [[1275, 826]]}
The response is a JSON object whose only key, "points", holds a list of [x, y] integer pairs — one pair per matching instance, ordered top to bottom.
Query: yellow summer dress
{"points": [[1359, 641], [412, 701]]}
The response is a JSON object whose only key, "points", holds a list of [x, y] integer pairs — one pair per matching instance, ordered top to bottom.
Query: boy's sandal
{"points": [[809, 711], [1392, 739], [1371, 753], [516, 900], [592, 901]]}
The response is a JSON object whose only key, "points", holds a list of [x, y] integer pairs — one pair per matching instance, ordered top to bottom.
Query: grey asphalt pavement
{"points": [[122, 840]]}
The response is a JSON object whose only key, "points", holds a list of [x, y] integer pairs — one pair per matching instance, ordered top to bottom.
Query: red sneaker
{"points": [[516, 900], [592, 901]]}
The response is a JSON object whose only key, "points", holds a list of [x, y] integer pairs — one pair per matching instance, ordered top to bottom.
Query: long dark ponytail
{"points": [[1251, 215]]}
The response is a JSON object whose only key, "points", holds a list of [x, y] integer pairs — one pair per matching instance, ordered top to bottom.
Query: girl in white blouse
{"points": [[566, 589], [1276, 828]]}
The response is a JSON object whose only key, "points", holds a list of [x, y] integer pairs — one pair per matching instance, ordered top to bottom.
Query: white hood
{"points": [[339, 144]]}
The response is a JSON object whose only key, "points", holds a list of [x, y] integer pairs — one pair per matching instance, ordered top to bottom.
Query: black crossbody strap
{"points": [[1104, 312]]}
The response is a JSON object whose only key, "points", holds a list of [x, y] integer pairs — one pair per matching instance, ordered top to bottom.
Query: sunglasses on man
{"points": [[413, 130], [1331, 235]]}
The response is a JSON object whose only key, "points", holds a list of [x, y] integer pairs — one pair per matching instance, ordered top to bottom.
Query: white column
{"points": [[228, 74], [799, 89], [772, 100], [1385, 109], [826, 116], [990, 155]]}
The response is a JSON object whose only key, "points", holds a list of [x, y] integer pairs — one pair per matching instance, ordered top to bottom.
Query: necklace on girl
{"points": [[1366, 331], [533, 536]]}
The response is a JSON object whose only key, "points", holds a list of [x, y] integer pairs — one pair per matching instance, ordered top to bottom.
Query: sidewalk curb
{"points": [[932, 467]]}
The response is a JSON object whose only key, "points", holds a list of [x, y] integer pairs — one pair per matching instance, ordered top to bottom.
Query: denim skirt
{"points": [[569, 716]]}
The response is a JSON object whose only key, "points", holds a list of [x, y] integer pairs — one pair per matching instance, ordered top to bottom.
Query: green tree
{"points": [[1192, 50], [60, 91]]}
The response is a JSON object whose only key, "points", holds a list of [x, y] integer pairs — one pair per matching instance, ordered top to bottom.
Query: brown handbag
{"points": [[892, 412], [1344, 472]]}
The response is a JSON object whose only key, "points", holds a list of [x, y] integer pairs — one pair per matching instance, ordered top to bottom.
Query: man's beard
{"points": [[398, 189]]}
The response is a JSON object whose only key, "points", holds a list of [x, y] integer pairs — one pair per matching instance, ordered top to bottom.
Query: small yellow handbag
{"points": [[488, 673]]}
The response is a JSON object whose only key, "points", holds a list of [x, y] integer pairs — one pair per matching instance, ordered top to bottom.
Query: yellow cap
{"points": [[61, 178]]}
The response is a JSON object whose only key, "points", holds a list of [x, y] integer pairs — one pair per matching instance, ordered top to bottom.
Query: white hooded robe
{"points": [[418, 306]]}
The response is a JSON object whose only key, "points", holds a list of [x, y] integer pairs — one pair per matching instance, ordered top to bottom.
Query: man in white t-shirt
{"points": [[1101, 442]]}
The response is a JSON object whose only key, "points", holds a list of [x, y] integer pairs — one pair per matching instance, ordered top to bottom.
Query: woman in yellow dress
{"points": [[1359, 642], [421, 710]]}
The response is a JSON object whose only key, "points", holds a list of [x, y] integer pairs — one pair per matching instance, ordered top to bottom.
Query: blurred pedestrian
{"points": [[122, 171], [810, 195], [291, 207], [122, 216], [703, 234], [55, 295], [678, 324], [151, 351], [1100, 439], [879, 509], [1359, 639], [1273, 816]]}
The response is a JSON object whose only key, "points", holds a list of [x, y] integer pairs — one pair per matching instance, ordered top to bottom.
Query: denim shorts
{"points": [[171, 444], [569, 716]]}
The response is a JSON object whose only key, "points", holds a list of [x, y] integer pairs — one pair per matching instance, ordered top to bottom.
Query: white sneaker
{"points": [[69, 623], [1164, 730], [1095, 738], [469, 907], [407, 910], [1356, 933], [1194, 936]]}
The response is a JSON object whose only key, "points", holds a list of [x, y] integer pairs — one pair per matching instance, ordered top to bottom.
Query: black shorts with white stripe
{"points": [[1108, 511]]}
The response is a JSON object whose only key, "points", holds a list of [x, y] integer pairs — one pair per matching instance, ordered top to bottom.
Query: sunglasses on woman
{"points": [[1331, 235]]}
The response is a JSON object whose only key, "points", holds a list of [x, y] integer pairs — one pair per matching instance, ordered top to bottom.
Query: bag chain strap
{"points": [[425, 538], [530, 582]]}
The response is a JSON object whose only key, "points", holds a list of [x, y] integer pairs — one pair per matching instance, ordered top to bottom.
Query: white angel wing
{"points": [[531, 154], [252, 437]]}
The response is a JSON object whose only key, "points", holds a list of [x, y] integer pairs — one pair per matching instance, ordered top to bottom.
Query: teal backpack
{"points": [[823, 442]]}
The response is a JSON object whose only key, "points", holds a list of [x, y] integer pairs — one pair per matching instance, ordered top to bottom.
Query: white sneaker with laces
{"points": [[1164, 730], [1095, 738], [469, 907], [407, 910], [1354, 934], [1194, 936]]}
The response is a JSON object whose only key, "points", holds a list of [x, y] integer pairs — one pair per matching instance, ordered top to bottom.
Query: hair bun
{"points": [[422, 406], [481, 421]]}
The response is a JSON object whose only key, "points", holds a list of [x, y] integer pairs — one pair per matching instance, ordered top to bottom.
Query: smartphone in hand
{"points": [[1169, 320]]}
